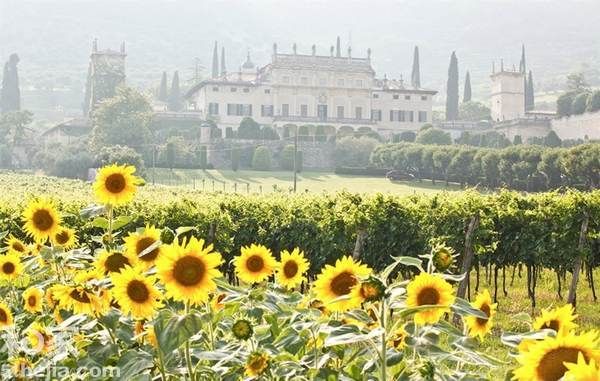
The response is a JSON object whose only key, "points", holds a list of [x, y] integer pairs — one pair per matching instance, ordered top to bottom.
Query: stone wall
{"points": [[578, 126], [316, 155]]}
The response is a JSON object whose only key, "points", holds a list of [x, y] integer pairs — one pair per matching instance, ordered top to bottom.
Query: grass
{"points": [[245, 181], [517, 303]]}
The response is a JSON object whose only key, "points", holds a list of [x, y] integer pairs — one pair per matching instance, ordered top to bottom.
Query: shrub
{"points": [[594, 102], [580, 103], [248, 129], [407, 136], [433, 136], [354, 152], [120, 155], [202, 157], [235, 158], [286, 159], [261, 160]]}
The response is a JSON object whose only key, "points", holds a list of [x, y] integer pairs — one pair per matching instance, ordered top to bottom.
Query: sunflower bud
{"points": [[167, 236], [443, 257], [372, 289], [242, 329]]}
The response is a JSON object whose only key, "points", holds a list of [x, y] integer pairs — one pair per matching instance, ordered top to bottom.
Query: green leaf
{"points": [[91, 211], [121, 221], [100, 222], [464, 308], [173, 330], [348, 334], [134, 363]]}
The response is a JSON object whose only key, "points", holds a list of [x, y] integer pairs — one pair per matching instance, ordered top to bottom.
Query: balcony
{"points": [[320, 120]]}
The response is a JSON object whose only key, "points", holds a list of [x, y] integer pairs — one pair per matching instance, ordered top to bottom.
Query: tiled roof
{"points": [[310, 62]]}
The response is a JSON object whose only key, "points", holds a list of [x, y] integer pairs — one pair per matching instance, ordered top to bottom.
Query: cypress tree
{"points": [[338, 48], [215, 62], [522, 63], [223, 68], [415, 78], [452, 89], [162, 91], [467, 93], [10, 94], [530, 97], [175, 102]]}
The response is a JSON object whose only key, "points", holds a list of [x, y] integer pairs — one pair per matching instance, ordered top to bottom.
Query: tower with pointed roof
{"points": [[106, 72]]}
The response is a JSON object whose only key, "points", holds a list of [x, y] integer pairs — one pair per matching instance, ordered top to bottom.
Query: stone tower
{"points": [[106, 72], [508, 94]]}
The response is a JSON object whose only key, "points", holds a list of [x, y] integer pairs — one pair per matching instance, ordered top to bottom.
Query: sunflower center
{"points": [[115, 183], [42, 219], [62, 237], [144, 243], [17, 246], [115, 262], [255, 263], [8, 268], [290, 269], [189, 270], [343, 283], [138, 291], [368, 291], [80, 296], [428, 297], [32, 301], [485, 308], [3, 316], [552, 324], [258, 364], [551, 366]]}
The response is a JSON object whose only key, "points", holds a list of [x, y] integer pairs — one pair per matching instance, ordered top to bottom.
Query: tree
{"points": [[215, 62], [415, 77], [576, 82], [452, 89], [162, 91], [467, 93], [10, 94], [529, 94], [175, 100], [594, 102], [580, 103], [564, 104], [474, 111], [122, 120], [13, 125], [248, 129], [408, 136], [433, 136], [517, 140], [552, 140], [171, 152], [354, 152], [121, 155], [202, 155], [235, 158], [261, 160], [286, 160], [441, 161], [460, 165], [549, 166], [489, 167]]}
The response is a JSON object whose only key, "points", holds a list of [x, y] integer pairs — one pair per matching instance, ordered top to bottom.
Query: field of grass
{"points": [[245, 181]]}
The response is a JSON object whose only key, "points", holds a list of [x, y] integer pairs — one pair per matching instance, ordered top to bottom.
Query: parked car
{"points": [[396, 175]]}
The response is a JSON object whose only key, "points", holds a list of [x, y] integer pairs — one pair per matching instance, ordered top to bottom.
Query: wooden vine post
{"points": [[361, 237], [469, 254], [572, 299]]}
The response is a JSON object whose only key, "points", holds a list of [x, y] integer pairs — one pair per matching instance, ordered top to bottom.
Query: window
{"points": [[285, 79], [304, 81], [323, 81], [340, 82], [359, 83], [216, 88], [233, 89], [246, 90], [267, 91], [375, 96], [396, 96], [407, 97], [423, 97], [213, 109], [230, 109], [239, 109], [247, 110], [266, 110], [285, 110], [303, 110], [340, 112], [358, 112], [376, 115], [397, 116], [401, 116], [411, 116], [422, 116]]}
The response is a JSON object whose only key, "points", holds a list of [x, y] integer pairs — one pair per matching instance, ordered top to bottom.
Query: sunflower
{"points": [[115, 184], [41, 219], [64, 237], [15, 245], [144, 245], [443, 257], [114, 261], [255, 264], [10, 266], [291, 268], [188, 270], [335, 284], [369, 290], [429, 290], [136, 294], [32, 298], [77, 299], [216, 302], [6, 317], [560, 319], [478, 326], [242, 329], [150, 336], [40, 338], [398, 338], [545, 360], [256, 364], [21, 367], [582, 371]]}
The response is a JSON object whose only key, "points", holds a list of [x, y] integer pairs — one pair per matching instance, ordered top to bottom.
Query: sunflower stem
{"points": [[109, 215], [383, 341], [188, 357], [161, 365]]}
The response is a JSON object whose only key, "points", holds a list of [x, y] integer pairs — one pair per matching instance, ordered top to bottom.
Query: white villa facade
{"points": [[311, 89]]}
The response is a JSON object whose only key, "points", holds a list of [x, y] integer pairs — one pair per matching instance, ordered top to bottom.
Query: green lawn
{"points": [[244, 181]]}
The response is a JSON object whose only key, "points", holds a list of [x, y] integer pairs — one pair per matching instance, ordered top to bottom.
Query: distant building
{"points": [[334, 90], [508, 95], [67, 132]]}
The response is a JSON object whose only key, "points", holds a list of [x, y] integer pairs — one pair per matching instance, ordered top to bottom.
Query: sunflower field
{"points": [[127, 283]]}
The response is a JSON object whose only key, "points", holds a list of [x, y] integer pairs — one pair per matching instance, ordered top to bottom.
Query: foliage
{"points": [[452, 89], [467, 91], [10, 93], [163, 94], [175, 100], [594, 102], [580, 103], [564, 104], [474, 111], [13, 125], [433, 136], [552, 140], [354, 152], [120, 155], [235, 158], [286, 158], [261, 160]]}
